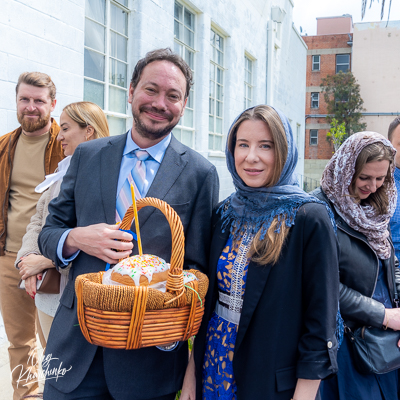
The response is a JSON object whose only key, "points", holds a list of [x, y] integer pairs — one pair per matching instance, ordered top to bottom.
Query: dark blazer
{"points": [[185, 180], [287, 326]]}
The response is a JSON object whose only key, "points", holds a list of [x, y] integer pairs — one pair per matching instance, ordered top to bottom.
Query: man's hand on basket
{"points": [[99, 240]]}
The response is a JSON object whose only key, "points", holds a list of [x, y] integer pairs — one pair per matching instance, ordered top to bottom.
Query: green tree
{"points": [[344, 103], [337, 133]]}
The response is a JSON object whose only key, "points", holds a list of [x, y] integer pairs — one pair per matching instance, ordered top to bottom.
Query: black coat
{"points": [[359, 267], [288, 321]]}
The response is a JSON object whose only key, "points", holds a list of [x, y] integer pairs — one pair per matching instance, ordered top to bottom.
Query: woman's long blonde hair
{"points": [[86, 113], [267, 250]]}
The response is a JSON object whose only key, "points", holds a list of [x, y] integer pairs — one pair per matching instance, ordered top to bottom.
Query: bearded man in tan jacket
{"points": [[27, 154]]}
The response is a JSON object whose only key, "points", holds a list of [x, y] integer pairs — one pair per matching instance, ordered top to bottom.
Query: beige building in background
{"points": [[376, 66]]}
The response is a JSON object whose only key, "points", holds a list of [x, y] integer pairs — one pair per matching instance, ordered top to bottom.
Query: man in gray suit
{"points": [[81, 227]]}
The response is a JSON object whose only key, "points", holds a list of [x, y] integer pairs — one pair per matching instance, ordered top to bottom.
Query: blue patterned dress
{"points": [[218, 378]]}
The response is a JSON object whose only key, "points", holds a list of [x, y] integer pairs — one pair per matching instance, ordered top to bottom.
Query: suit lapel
{"points": [[110, 163], [170, 169], [257, 277]]}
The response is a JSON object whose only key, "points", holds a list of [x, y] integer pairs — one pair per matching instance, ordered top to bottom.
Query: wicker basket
{"points": [[130, 317]]}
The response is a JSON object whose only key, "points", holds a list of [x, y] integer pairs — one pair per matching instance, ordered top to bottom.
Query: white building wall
{"points": [[45, 36], [49, 36]]}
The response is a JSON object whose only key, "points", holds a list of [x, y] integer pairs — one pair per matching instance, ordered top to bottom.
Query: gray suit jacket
{"points": [[186, 181]]}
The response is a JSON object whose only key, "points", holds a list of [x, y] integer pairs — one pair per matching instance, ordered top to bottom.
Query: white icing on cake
{"points": [[136, 266], [188, 277]]}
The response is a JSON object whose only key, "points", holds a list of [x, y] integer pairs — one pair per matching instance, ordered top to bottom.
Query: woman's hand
{"points": [[33, 264], [30, 286], [392, 320], [189, 383], [306, 389]]}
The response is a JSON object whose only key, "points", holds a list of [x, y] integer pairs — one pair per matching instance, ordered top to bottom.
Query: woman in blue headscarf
{"points": [[268, 330]]}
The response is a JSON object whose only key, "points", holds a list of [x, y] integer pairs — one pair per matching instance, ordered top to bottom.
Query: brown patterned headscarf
{"points": [[336, 180]]}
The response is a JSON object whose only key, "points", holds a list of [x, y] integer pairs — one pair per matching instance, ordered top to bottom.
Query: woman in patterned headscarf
{"points": [[358, 185], [268, 330]]}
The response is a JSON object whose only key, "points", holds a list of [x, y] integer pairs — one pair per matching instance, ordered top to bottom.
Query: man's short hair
{"points": [[163, 55], [38, 79], [393, 125]]}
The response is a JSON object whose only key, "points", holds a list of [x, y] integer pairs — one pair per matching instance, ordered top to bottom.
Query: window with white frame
{"points": [[184, 31], [106, 60], [342, 62], [316, 63], [248, 82], [315, 100], [216, 102], [313, 137]]}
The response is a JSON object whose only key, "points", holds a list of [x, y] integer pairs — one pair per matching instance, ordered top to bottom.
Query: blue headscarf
{"points": [[255, 208]]}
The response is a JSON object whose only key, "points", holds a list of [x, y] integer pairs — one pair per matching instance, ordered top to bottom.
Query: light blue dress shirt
{"points": [[128, 161]]}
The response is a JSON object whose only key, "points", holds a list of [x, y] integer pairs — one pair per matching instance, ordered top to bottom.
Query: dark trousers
{"points": [[93, 386]]}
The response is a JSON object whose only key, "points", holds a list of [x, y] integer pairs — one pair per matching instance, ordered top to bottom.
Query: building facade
{"points": [[329, 52], [241, 54], [376, 65]]}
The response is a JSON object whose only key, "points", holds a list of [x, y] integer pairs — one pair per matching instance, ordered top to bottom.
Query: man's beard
{"points": [[33, 126], [147, 132]]}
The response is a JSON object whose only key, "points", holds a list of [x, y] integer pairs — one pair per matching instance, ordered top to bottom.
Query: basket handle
{"points": [[175, 275]]}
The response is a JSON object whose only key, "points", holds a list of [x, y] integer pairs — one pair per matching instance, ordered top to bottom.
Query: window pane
{"points": [[95, 9], [178, 11], [189, 19], [119, 20], [177, 30], [94, 35], [189, 37], [212, 37], [219, 42], [118, 46], [177, 48], [189, 58], [342, 58], [220, 60], [94, 65], [343, 68], [212, 72], [117, 73], [219, 75], [212, 89], [94, 92], [219, 92], [190, 99], [117, 100], [211, 107], [219, 109], [188, 118], [211, 123], [117, 125], [218, 125], [177, 133], [187, 138], [211, 142], [217, 142]]}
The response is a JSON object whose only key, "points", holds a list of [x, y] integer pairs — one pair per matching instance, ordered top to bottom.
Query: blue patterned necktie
{"points": [[137, 178]]}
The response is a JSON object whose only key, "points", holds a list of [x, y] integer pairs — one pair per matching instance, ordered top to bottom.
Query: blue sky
{"points": [[305, 12]]}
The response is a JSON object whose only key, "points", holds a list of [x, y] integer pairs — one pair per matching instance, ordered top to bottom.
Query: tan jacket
{"points": [[53, 155]]}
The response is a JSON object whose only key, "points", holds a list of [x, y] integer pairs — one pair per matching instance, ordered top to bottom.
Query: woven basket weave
{"points": [[131, 317]]}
